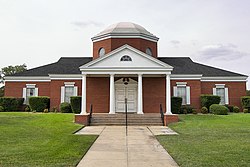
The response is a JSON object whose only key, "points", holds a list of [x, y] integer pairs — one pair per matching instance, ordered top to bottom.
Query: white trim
{"points": [[125, 71], [65, 76], [185, 77], [26, 79], [224, 79], [69, 83], [181, 83], [30, 85], [220, 85], [36, 91], [75, 91], [175, 91], [214, 91], [84, 92], [62, 93], [112, 94], [25, 95], [140, 95], [168, 95], [226, 96], [188, 102]]}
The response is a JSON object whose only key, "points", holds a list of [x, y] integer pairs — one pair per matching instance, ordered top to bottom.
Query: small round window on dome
{"points": [[149, 51], [101, 52], [126, 58]]}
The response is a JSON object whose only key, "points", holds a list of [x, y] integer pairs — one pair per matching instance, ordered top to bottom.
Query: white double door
{"points": [[129, 92]]}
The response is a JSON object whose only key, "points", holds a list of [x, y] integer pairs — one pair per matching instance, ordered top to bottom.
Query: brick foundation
{"points": [[82, 119], [170, 119]]}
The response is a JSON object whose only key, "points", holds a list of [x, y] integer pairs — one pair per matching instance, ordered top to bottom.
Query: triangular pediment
{"points": [[139, 60]]}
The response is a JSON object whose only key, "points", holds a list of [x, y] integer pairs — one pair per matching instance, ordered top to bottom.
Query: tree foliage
{"points": [[10, 70], [2, 91]]}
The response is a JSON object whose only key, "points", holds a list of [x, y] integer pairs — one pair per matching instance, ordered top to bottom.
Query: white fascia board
{"points": [[108, 36], [126, 46], [127, 72], [65, 76], [185, 77], [26, 79], [224, 79]]}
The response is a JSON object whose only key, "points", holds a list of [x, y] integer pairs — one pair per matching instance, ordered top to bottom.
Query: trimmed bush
{"points": [[208, 100], [245, 101], [76, 102], [11, 103], [39, 103], [176, 104], [65, 107], [230, 107], [27, 108], [1, 109], [186, 109], [218, 109], [236, 109], [204, 110], [246, 110], [194, 111]]}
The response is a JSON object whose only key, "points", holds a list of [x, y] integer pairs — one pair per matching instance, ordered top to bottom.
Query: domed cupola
{"points": [[123, 33]]}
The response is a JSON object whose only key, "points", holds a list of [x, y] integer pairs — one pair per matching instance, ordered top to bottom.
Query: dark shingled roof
{"points": [[182, 65]]}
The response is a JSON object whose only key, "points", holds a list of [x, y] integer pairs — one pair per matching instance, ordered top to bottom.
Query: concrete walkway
{"points": [[114, 149]]}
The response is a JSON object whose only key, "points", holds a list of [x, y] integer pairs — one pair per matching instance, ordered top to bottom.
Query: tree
{"points": [[10, 70], [2, 91]]}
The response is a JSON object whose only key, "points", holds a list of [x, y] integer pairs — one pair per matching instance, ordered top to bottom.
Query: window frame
{"points": [[126, 58], [63, 91], [25, 92], [226, 96], [187, 100]]}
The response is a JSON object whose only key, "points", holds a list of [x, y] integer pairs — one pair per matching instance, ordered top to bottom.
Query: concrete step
{"points": [[120, 119]]}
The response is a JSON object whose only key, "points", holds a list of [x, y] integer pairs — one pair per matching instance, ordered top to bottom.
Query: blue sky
{"points": [[38, 32]]}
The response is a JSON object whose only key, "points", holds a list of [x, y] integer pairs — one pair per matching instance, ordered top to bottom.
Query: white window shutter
{"points": [[75, 90], [36, 91], [175, 91], [214, 91], [62, 94], [188, 94], [24, 95], [226, 96]]}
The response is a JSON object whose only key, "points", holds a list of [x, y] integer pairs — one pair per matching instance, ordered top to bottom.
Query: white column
{"points": [[84, 94], [112, 94], [168, 95], [140, 103]]}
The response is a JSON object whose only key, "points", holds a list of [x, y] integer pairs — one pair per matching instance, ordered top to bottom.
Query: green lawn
{"points": [[34, 139], [210, 140]]}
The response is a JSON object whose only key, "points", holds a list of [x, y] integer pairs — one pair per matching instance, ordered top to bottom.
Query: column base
{"points": [[82, 119], [170, 119]]}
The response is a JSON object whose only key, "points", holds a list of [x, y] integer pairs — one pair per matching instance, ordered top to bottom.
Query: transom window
{"points": [[101, 52], [126, 58]]}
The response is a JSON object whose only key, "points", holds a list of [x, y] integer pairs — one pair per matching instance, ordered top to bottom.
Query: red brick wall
{"points": [[114, 43], [15, 89], [235, 90], [195, 91], [55, 93], [98, 94], [154, 94]]}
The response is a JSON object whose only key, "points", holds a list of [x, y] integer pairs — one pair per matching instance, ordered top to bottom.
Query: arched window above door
{"points": [[126, 58]]}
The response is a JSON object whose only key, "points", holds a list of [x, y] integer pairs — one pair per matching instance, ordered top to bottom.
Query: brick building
{"points": [[126, 52]]}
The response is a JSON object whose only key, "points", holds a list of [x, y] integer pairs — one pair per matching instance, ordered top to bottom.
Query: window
{"points": [[149, 51], [101, 52], [126, 58], [69, 89], [182, 90], [29, 91], [222, 91]]}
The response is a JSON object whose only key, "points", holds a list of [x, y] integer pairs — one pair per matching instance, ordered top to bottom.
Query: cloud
{"points": [[84, 24], [175, 43], [220, 52]]}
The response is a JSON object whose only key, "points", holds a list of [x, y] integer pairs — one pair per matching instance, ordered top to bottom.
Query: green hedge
{"points": [[208, 100], [245, 101], [76, 102], [11, 103], [39, 103], [176, 105], [65, 107], [230, 107], [186, 109], [218, 109], [236, 109]]}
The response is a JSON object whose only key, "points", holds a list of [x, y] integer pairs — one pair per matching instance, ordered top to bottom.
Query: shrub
{"points": [[208, 100], [245, 101], [76, 102], [11, 103], [39, 103], [176, 104], [65, 107], [230, 107], [27, 108], [1, 109], [54, 109], [186, 109], [218, 109], [236, 109], [46, 110], [204, 110], [246, 110], [194, 111]]}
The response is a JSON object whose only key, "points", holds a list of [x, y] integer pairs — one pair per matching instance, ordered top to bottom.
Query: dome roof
{"points": [[125, 29]]}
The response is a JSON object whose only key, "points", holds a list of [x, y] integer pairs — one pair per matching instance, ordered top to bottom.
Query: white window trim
{"points": [[68, 84], [183, 84], [25, 91], [226, 92]]}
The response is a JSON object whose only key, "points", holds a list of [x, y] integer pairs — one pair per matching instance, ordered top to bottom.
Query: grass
{"points": [[33, 139], [210, 140]]}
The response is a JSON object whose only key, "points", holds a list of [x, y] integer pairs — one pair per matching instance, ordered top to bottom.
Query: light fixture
{"points": [[125, 80]]}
